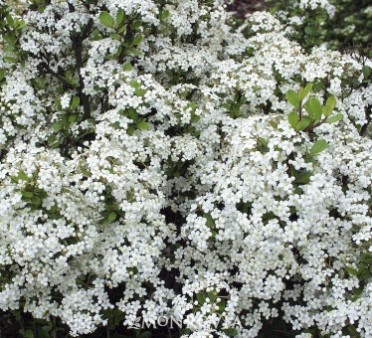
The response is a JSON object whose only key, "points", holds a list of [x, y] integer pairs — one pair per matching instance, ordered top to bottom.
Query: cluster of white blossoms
{"points": [[314, 4], [148, 166]]}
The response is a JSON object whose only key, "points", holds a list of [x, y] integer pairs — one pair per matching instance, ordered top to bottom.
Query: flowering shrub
{"points": [[156, 160]]}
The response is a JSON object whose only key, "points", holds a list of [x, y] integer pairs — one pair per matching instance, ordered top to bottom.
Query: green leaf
{"points": [[164, 15], [120, 17], [107, 20], [10, 21], [137, 24], [122, 29], [309, 30], [115, 36], [10, 38], [137, 40], [133, 52], [10, 59], [127, 67], [367, 71], [2, 74], [134, 84], [305, 91], [140, 92], [293, 98], [75, 102], [331, 102], [193, 106], [314, 108], [327, 111], [132, 114], [72, 118], [195, 118], [334, 118], [293, 119], [303, 123], [142, 125], [57, 126], [131, 129], [263, 144], [318, 147], [23, 176], [303, 178], [27, 194], [36, 200], [111, 217], [209, 220], [351, 271], [357, 293], [212, 295], [201, 298], [231, 332], [353, 332], [27, 333], [146, 334]]}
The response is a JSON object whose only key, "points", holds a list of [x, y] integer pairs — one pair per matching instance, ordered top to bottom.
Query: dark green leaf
{"points": [[10, 21], [137, 24], [122, 29], [137, 40], [367, 71], [2, 74], [133, 114], [72, 118], [57, 126], [131, 129], [303, 178], [28, 194], [36, 200], [210, 221], [201, 298], [231, 332], [353, 332], [27, 334], [146, 334]]}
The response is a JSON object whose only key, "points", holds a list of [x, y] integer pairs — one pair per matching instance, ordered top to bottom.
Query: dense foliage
{"points": [[340, 24], [160, 159]]}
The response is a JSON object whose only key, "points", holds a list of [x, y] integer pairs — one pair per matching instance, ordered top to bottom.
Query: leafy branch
{"points": [[317, 113]]}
